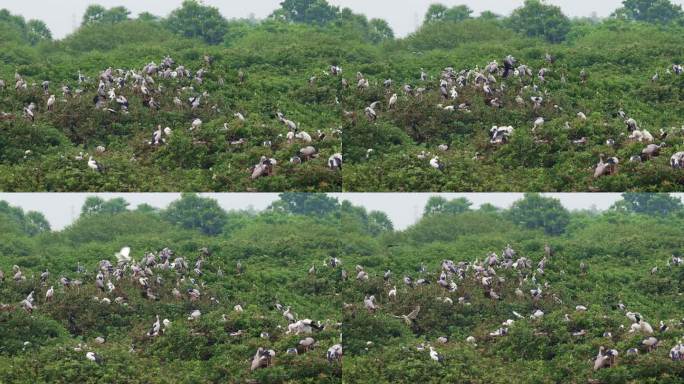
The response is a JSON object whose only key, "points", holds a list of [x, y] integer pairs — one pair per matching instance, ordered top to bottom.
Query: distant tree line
{"points": [[536, 18], [194, 19], [191, 211], [536, 211]]}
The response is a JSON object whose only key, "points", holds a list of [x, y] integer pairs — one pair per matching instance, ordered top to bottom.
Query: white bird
{"points": [[393, 101], [51, 103], [538, 123], [196, 124], [157, 136], [305, 137], [677, 160], [335, 161], [436, 164], [94, 165], [123, 256], [50, 292], [392, 293], [369, 303], [195, 315], [156, 326], [651, 343], [334, 353], [434, 355], [93, 357], [604, 358]]}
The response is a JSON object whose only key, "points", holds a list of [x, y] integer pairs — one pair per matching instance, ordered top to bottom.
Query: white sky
{"points": [[62, 16], [403, 208]]}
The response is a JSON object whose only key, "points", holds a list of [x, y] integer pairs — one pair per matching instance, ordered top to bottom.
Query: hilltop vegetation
{"points": [[256, 69], [315, 69], [597, 75], [324, 259], [255, 260], [596, 260]]}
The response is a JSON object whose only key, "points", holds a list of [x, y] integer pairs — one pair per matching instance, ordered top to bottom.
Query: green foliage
{"points": [[306, 11], [651, 11], [439, 12], [98, 14], [537, 19], [195, 20], [16, 28], [38, 31], [43, 155], [546, 160], [306, 204], [649, 204], [439, 205], [96, 206], [537, 211], [195, 212], [14, 219], [379, 223], [619, 248], [49, 345]]}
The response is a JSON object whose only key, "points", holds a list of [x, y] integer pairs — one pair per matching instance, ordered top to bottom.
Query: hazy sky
{"points": [[62, 16], [403, 208]]}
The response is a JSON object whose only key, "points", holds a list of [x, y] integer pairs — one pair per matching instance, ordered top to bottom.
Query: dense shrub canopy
{"points": [[596, 74], [252, 259], [597, 260]]}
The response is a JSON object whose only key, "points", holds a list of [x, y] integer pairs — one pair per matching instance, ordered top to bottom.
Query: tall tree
{"points": [[307, 11], [652, 11], [435, 12], [439, 12], [93, 14], [98, 14], [116, 15], [489, 15], [147, 16], [537, 19], [195, 20], [380, 30], [38, 31], [310, 204], [660, 204], [95, 205], [434, 205], [438, 205], [536, 211], [194, 212], [36, 223], [378, 223]]}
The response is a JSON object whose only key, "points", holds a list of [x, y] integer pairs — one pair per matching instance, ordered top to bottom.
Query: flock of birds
{"points": [[492, 82], [156, 84], [114, 87], [144, 275], [489, 275]]}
